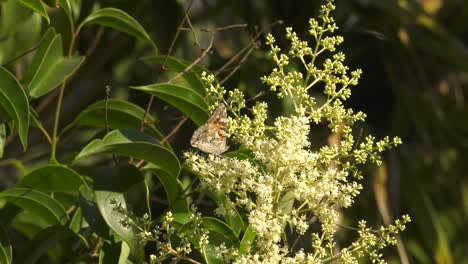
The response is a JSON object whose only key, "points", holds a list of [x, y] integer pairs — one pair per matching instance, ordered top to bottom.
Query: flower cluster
{"points": [[276, 176]]}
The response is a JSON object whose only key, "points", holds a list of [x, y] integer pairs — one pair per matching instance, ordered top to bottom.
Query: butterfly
{"points": [[211, 137]]}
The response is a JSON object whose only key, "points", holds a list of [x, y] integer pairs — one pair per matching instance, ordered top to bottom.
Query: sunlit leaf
{"points": [[36, 6], [118, 20], [174, 65], [53, 68], [185, 99], [120, 114], [133, 144], [112, 189], [91, 213], [247, 240]]}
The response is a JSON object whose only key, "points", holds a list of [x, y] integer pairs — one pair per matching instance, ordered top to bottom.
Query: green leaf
{"points": [[36, 6], [66, 6], [12, 14], [118, 20], [20, 29], [45, 43], [175, 65], [53, 68], [185, 99], [14, 102], [120, 114], [2, 138], [133, 144], [53, 178], [170, 184], [111, 188], [39, 203], [286, 203], [91, 212], [233, 220], [77, 221], [28, 224], [219, 232], [47, 238], [247, 240], [5, 247], [109, 253], [124, 253]]}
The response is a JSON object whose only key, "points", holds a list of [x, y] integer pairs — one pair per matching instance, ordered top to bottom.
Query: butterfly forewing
{"points": [[211, 137]]}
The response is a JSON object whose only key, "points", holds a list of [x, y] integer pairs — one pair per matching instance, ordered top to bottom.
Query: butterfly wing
{"points": [[211, 137]]}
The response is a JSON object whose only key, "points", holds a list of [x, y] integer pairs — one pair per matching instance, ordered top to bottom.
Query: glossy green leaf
{"points": [[36, 6], [118, 20], [36, 62], [175, 65], [53, 69], [185, 99], [14, 102], [120, 114], [2, 138], [133, 144], [53, 178], [170, 184], [111, 188], [39, 203], [91, 213], [77, 221], [219, 231], [44, 240], [247, 240], [5, 247], [124, 253]]}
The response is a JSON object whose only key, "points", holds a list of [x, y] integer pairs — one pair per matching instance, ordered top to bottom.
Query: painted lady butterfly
{"points": [[211, 137]]}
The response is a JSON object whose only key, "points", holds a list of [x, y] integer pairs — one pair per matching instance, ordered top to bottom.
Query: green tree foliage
{"points": [[99, 100]]}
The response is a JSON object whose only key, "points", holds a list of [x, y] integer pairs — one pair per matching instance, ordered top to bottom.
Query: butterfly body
{"points": [[211, 137]]}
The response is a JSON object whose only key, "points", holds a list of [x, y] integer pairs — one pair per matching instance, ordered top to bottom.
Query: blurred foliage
{"points": [[414, 55]]}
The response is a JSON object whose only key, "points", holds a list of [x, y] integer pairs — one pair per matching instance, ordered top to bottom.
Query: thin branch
{"points": [[218, 29], [169, 52], [23, 54], [237, 55], [242, 61], [195, 62], [144, 122], [174, 130]]}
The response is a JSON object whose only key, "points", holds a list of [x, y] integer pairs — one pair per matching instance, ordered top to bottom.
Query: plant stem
{"points": [[53, 146]]}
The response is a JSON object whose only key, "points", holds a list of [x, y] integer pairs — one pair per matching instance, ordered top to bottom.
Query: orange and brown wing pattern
{"points": [[211, 137]]}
